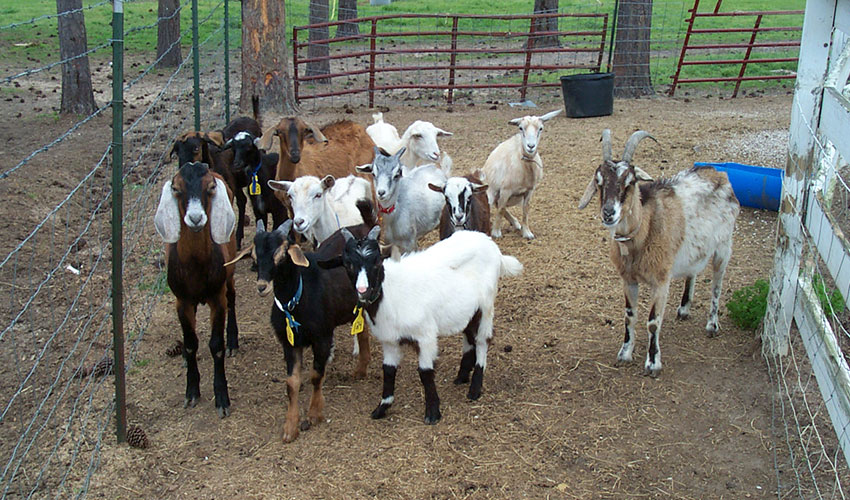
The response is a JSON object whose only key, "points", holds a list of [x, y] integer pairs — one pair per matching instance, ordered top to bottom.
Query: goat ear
{"points": [[550, 115], [515, 121], [443, 133], [320, 137], [216, 138], [258, 143], [173, 151], [364, 169], [642, 175], [328, 182], [282, 186], [477, 188], [439, 189], [589, 191], [167, 218], [222, 218], [374, 233], [346, 234], [242, 253], [297, 256], [330, 263]]}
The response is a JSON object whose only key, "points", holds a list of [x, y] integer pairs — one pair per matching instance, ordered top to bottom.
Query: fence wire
{"points": [[57, 409]]}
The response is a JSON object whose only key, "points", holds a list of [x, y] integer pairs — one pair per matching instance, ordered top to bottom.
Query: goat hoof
{"points": [[496, 234], [529, 235], [682, 315], [711, 329], [232, 352], [622, 362], [651, 372], [359, 373], [461, 380], [473, 394], [190, 402], [223, 412], [379, 412], [433, 419], [305, 425], [290, 436]]}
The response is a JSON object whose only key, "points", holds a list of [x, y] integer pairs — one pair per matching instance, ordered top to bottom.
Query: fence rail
{"points": [[452, 42]]}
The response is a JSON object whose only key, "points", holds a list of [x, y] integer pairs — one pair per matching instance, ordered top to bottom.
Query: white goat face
{"points": [[530, 129], [423, 140], [458, 192], [307, 195]]}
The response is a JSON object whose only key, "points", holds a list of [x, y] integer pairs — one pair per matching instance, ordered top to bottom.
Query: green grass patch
{"points": [[830, 299], [747, 306]]}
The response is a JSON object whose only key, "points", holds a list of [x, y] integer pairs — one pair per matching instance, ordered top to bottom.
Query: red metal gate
{"points": [[449, 39], [748, 46]]}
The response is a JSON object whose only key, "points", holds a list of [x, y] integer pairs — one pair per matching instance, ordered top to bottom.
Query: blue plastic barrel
{"points": [[757, 187]]}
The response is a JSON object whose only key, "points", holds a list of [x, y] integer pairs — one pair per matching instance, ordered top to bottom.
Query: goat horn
{"points": [[316, 132], [631, 145], [607, 151]]}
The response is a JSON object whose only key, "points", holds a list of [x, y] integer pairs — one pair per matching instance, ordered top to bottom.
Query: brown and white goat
{"points": [[337, 149], [466, 205], [195, 219], [663, 230]]}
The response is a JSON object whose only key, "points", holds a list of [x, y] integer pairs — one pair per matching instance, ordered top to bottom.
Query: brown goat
{"points": [[339, 147], [466, 205], [195, 220]]}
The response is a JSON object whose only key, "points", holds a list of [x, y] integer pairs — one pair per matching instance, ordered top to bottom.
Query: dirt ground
{"points": [[556, 419]]}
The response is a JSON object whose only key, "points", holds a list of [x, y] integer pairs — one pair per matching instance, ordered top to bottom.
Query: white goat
{"points": [[420, 139], [513, 170], [320, 207], [408, 207], [670, 228], [444, 290]]}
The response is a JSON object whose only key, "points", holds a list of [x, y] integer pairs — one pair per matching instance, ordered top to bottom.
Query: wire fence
{"points": [[806, 339], [58, 407]]}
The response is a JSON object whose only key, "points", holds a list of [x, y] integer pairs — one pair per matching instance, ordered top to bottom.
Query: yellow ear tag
{"points": [[254, 186], [357, 325], [290, 335]]}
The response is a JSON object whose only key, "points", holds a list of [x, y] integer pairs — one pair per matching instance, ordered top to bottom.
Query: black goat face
{"points": [[363, 263]]}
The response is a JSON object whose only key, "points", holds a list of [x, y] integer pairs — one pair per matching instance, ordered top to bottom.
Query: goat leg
{"points": [[526, 205], [719, 262], [631, 293], [687, 296], [218, 312], [186, 315], [232, 327], [484, 329], [363, 355], [293, 357], [392, 357], [652, 366], [432, 400], [315, 414]]}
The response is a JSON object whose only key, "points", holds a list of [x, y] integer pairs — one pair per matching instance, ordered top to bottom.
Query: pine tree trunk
{"points": [[347, 9], [318, 14], [546, 24], [168, 34], [631, 49], [265, 58], [77, 94]]}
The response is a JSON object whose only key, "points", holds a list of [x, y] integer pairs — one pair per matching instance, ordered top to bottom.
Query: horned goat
{"points": [[513, 171], [195, 220], [662, 230]]}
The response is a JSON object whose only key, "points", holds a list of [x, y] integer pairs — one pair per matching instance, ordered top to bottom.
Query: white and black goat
{"points": [[253, 168], [513, 170], [466, 205], [409, 208], [195, 219], [662, 230], [446, 289]]}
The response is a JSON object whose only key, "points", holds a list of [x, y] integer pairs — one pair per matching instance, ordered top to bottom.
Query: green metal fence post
{"points": [[226, 61], [196, 65], [118, 215]]}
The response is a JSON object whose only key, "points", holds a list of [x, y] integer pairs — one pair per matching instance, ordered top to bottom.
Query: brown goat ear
{"points": [[320, 137], [216, 138], [439, 189], [589, 191], [242, 253], [297, 256]]}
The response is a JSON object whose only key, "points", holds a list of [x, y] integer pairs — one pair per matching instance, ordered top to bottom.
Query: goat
{"points": [[420, 139], [206, 147], [339, 147], [255, 168], [513, 171], [466, 205], [320, 207], [409, 208], [195, 219], [664, 230], [448, 288], [309, 302]]}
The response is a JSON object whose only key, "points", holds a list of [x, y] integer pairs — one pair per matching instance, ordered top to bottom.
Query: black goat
{"points": [[253, 167]]}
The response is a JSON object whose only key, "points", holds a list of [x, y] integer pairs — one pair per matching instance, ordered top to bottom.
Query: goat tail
{"points": [[377, 117], [367, 212], [510, 266]]}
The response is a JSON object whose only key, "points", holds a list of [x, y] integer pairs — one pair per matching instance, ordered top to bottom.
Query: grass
{"points": [[668, 28], [157, 285], [748, 304]]}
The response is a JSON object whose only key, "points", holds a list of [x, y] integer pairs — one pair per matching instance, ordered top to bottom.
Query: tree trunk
{"points": [[347, 9], [318, 14], [546, 23], [168, 34], [631, 49], [265, 60], [77, 94]]}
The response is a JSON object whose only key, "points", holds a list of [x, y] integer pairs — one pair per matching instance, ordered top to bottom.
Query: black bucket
{"points": [[590, 94]]}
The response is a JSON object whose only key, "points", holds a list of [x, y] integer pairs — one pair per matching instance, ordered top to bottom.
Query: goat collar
{"points": [[257, 168], [254, 186], [387, 210], [622, 238], [370, 300], [287, 308]]}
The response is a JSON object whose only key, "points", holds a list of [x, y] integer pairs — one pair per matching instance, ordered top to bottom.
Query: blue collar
{"points": [[257, 168], [292, 304]]}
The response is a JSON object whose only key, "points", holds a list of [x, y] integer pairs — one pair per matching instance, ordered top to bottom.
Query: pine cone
{"points": [[175, 350], [137, 438]]}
